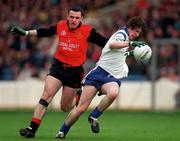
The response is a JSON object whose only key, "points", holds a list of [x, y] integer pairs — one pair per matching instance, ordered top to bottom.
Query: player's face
{"points": [[74, 19], [134, 33]]}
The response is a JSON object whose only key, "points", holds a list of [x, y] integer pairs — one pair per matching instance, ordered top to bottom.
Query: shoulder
{"points": [[62, 22], [86, 26], [121, 34]]}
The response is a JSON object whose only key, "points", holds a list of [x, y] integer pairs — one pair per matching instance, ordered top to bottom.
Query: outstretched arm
{"points": [[41, 32], [122, 44]]}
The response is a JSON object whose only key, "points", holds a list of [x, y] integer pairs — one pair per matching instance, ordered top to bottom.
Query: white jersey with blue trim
{"points": [[114, 60]]}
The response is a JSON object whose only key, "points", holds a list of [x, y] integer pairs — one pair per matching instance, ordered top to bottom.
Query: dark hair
{"points": [[76, 9], [137, 22]]}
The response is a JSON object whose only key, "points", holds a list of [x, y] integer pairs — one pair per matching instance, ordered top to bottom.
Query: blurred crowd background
{"points": [[27, 57]]}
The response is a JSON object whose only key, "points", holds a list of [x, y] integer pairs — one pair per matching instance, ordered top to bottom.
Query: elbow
{"points": [[111, 46]]}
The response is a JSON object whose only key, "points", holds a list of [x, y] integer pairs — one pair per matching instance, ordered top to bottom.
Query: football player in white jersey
{"points": [[106, 76]]}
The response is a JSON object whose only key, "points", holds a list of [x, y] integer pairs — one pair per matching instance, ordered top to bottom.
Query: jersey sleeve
{"points": [[45, 32], [120, 36], [97, 38]]}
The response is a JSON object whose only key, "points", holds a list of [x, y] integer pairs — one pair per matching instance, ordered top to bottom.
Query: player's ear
{"points": [[67, 15], [82, 17]]}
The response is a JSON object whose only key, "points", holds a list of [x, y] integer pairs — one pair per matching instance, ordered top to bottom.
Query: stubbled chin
{"points": [[73, 26]]}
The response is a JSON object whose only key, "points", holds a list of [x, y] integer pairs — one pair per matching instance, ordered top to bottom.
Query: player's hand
{"points": [[19, 30], [137, 43], [130, 53]]}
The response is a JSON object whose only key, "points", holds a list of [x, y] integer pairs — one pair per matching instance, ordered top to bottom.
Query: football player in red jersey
{"points": [[66, 70]]}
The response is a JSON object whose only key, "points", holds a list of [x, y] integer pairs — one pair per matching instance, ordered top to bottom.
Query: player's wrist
{"points": [[27, 33], [130, 43]]}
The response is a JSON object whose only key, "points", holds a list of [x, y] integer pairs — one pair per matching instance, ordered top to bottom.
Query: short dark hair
{"points": [[76, 9], [137, 22]]}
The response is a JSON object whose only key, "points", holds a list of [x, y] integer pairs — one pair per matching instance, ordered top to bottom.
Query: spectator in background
{"points": [[167, 62]]}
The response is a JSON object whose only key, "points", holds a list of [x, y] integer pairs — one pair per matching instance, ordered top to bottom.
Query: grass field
{"points": [[115, 126]]}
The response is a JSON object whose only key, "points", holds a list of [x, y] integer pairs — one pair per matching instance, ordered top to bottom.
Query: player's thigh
{"points": [[52, 85], [110, 88], [88, 93], [68, 94]]}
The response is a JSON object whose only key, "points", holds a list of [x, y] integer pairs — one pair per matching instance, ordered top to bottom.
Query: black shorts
{"points": [[68, 75]]}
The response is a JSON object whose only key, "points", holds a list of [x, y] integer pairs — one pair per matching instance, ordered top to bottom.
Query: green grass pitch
{"points": [[115, 126]]}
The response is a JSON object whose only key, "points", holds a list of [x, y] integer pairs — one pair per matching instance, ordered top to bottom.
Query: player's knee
{"points": [[112, 95], [47, 96], [64, 107], [81, 110]]}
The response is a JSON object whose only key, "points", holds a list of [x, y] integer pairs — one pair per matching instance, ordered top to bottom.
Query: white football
{"points": [[142, 53]]}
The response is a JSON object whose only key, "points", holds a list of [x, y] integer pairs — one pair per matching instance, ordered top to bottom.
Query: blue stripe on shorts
{"points": [[98, 77]]}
